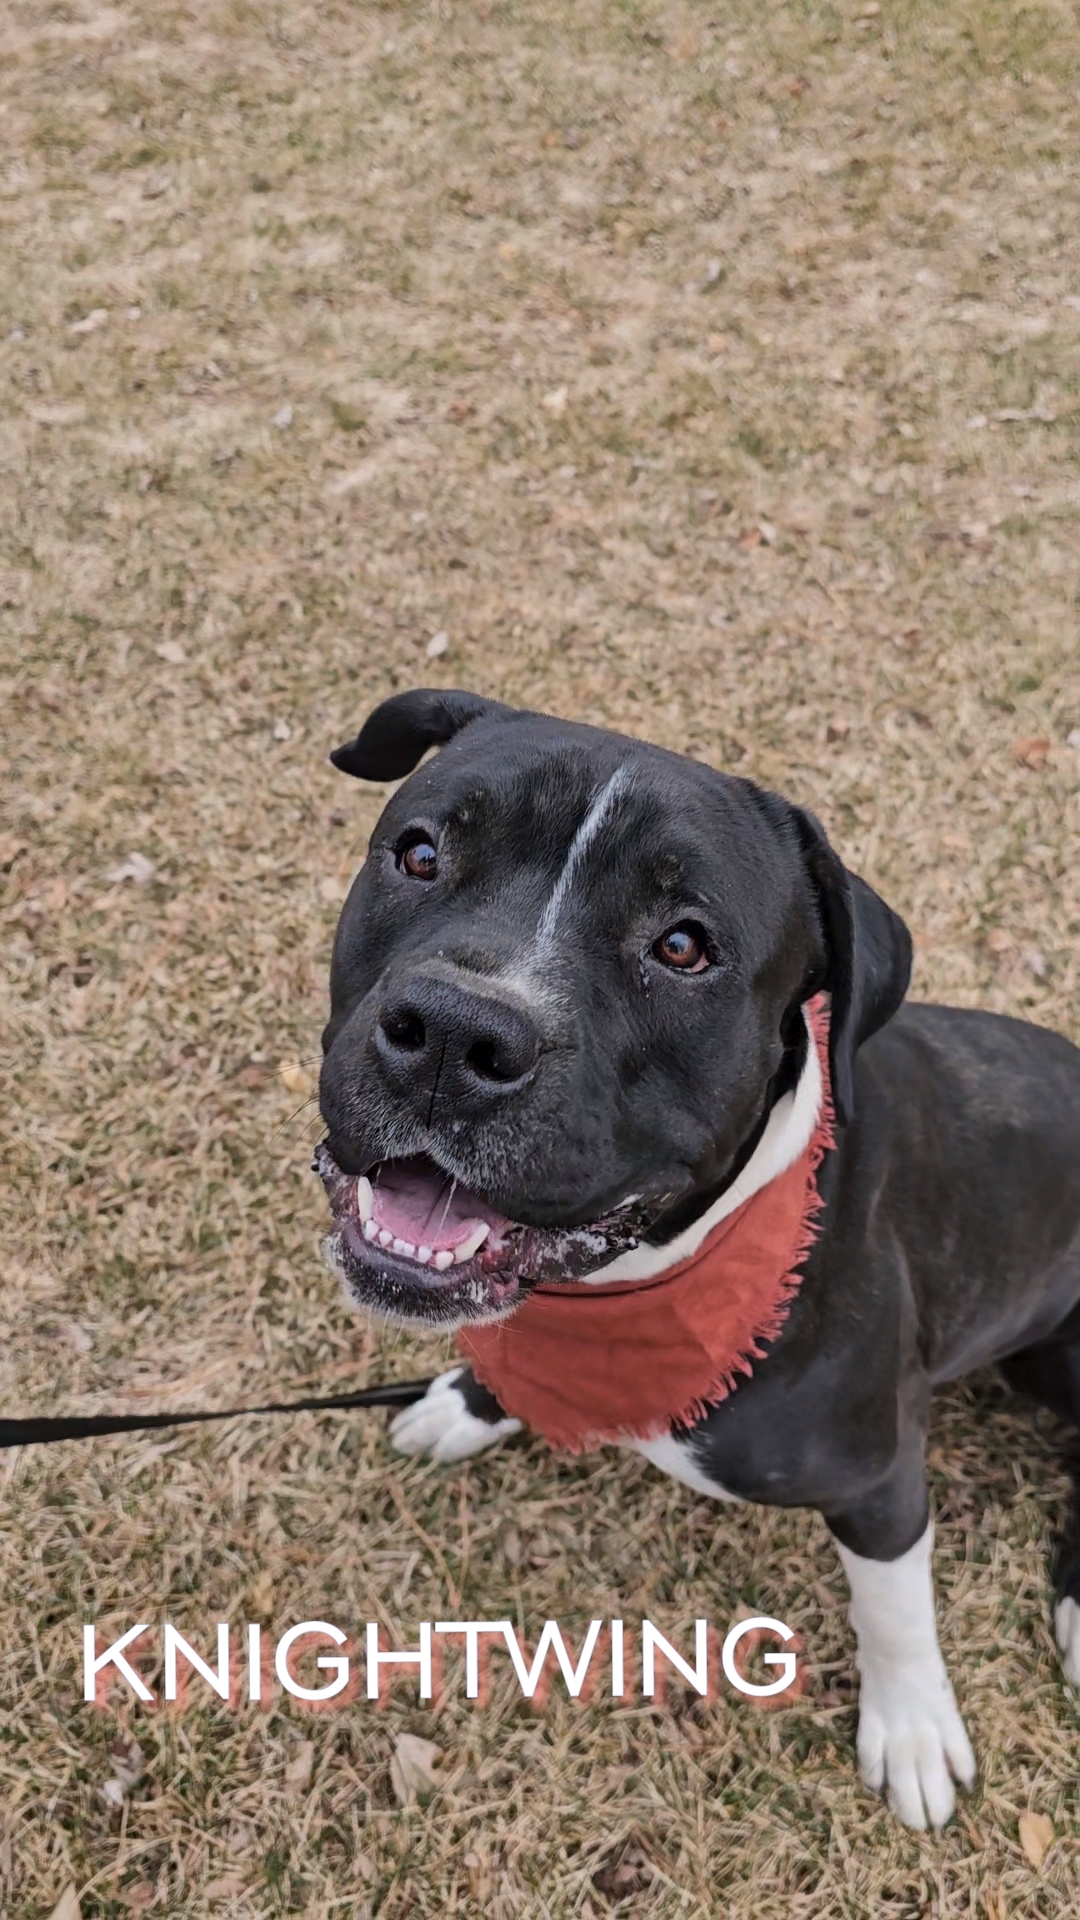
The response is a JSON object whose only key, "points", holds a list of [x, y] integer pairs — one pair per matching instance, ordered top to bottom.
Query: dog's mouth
{"points": [[413, 1243]]}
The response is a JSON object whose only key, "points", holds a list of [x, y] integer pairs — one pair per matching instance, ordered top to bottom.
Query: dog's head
{"points": [[563, 990]]}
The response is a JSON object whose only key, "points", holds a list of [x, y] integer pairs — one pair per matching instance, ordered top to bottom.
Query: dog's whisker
{"points": [[291, 1118]]}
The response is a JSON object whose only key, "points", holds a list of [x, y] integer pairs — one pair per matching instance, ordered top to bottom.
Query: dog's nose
{"points": [[433, 1036]]}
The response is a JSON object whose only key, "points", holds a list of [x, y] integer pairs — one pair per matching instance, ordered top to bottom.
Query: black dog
{"points": [[567, 1018]]}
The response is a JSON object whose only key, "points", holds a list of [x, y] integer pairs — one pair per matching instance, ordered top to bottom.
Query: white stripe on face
{"points": [[599, 808]]}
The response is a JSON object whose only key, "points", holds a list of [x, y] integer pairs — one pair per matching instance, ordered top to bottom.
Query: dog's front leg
{"points": [[456, 1418], [912, 1741]]}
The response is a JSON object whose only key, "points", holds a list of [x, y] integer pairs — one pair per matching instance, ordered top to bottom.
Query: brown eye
{"points": [[420, 860], [683, 948]]}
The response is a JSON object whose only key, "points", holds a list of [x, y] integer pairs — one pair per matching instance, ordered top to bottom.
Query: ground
{"points": [[709, 373]]}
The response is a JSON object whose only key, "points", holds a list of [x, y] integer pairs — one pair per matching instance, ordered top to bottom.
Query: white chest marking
{"points": [[599, 809], [788, 1132], [673, 1456]]}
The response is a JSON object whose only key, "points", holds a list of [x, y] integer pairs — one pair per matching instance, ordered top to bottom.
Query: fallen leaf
{"points": [[92, 322], [555, 402], [60, 413], [284, 415], [1010, 415], [349, 419], [356, 477], [753, 537], [13, 589], [437, 645], [172, 651], [838, 728], [282, 730], [1073, 739], [1032, 754], [137, 868], [333, 891], [998, 941], [1035, 962], [250, 1075], [295, 1077], [512, 1546], [261, 1594], [127, 1759], [412, 1767], [299, 1770], [1036, 1835], [627, 1871], [224, 1888], [67, 1907]]}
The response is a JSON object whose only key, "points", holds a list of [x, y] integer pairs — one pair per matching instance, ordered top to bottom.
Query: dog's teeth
{"points": [[365, 1200], [371, 1231], [385, 1239], [473, 1244], [404, 1249], [424, 1254], [443, 1260]]}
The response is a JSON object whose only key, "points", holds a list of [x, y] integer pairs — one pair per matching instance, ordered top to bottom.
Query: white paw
{"points": [[440, 1424], [1067, 1628], [913, 1742]]}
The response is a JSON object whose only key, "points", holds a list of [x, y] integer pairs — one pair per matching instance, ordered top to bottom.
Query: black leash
{"points": [[41, 1432]]}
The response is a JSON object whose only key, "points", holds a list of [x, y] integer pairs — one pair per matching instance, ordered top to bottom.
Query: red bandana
{"points": [[587, 1364]]}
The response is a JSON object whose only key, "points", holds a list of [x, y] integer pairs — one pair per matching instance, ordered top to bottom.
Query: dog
{"points": [[570, 1044]]}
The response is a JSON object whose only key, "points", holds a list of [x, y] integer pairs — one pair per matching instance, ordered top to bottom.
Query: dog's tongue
{"points": [[417, 1203]]}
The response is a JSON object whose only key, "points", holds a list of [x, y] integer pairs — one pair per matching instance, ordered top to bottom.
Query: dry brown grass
{"points": [[642, 347]]}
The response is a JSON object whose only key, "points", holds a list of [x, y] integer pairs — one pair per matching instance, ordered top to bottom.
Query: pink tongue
{"points": [[421, 1205]]}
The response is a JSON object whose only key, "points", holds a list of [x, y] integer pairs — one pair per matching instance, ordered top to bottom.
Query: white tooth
{"points": [[365, 1200], [371, 1231], [385, 1239], [473, 1244], [405, 1249], [424, 1254], [443, 1260]]}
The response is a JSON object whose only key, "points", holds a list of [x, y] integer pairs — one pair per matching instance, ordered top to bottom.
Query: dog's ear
{"points": [[394, 739], [867, 956]]}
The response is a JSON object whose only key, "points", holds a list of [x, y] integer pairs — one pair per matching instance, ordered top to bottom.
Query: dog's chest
{"points": [[674, 1456]]}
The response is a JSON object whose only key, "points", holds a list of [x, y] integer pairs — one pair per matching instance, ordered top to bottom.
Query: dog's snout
{"points": [[473, 1048]]}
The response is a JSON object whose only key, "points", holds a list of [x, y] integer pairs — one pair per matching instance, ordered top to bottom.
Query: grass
{"points": [[761, 526]]}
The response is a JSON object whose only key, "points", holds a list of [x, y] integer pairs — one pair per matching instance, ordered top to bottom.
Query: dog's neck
{"points": [[787, 1133]]}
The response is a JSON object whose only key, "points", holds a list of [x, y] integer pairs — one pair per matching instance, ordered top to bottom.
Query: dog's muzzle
{"points": [[413, 1243]]}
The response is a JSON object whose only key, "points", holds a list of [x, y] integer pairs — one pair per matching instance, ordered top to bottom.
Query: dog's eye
{"points": [[419, 859], [683, 947]]}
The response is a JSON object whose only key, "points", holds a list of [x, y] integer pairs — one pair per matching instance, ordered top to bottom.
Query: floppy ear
{"points": [[394, 738], [868, 956]]}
